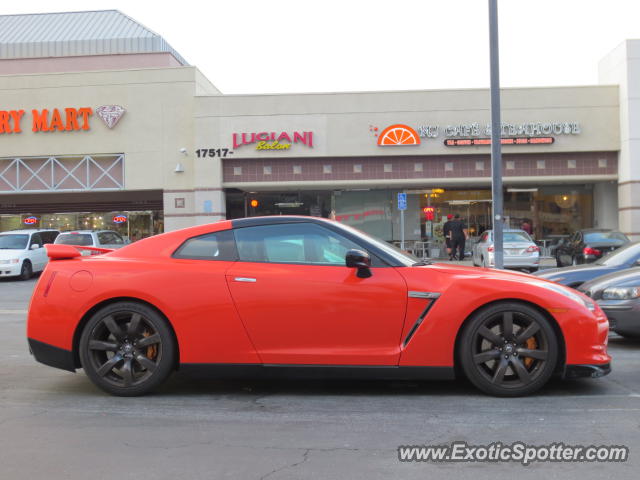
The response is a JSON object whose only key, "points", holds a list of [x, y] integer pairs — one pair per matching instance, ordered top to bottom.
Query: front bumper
{"points": [[10, 269], [623, 315], [52, 356], [586, 371]]}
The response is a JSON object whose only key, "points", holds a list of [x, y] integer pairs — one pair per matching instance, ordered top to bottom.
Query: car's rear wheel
{"points": [[26, 271], [127, 349], [508, 349]]}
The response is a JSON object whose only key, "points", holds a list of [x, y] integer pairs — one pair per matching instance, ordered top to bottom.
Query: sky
{"points": [[283, 46]]}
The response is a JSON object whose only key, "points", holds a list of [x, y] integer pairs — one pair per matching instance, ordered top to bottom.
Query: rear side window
{"points": [[109, 238], [82, 239], [212, 246]]}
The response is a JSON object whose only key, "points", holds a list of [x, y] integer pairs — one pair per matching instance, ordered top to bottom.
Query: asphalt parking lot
{"points": [[57, 425]]}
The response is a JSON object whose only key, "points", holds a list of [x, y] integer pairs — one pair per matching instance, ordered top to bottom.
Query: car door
{"points": [[38, 256], [302, 305]]}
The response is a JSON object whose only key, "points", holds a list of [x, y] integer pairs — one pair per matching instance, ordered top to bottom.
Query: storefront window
{"points": [[130, 225]]}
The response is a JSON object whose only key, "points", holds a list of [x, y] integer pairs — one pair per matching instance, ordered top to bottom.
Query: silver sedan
{"points": [[519, 251]]}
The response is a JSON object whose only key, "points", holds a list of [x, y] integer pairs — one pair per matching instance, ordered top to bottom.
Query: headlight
{"points": [[11, 260], [567, 292], [620, 293]]}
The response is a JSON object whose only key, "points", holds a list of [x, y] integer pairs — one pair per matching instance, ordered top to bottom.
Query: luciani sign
{"points": [[273, 140]]}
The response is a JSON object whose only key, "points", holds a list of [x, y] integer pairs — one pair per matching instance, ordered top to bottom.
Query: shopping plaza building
{"points": [[104, 125]]}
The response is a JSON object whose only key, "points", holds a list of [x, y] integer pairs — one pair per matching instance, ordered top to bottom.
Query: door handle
{"points": [[245, 279]]}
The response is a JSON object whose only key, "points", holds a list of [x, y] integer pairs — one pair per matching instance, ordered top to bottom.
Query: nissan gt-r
{"points": [[306, 296]]}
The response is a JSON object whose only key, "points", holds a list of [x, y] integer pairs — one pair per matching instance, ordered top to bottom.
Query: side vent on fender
{"points": [[431, 297]]}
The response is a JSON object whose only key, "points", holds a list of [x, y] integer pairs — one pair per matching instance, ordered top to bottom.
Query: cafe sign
{"points": [[476, 130]]}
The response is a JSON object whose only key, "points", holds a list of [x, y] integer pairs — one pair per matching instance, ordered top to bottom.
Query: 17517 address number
{"points": [[213, 152]]}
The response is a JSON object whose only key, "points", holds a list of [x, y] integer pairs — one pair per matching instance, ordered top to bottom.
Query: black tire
{"points": [[558, 262], [533, 269], [26, 271], [493, 346], [127, 349]]}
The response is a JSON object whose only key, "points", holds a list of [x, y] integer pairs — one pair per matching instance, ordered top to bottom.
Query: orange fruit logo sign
{"points": [[398, 135]]}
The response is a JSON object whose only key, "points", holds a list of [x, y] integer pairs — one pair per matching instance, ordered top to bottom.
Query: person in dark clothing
{"points": [[446, 230], [459, 235]]}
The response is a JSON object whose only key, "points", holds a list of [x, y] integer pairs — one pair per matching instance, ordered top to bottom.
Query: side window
{"points": [[48, 237], [484, 237], [36, 238], [104, 238], [109, 238], [292, 243], [212, 246]]}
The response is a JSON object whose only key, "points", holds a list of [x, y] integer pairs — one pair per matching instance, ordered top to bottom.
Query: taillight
{"points": [[533, 248], [490, 249], [591, 251]]}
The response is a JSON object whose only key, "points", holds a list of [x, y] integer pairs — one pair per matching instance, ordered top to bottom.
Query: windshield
{"points": [[516, 237], [615, 237], [82, 239], [13, 242], [400, 255], [622, 256]]}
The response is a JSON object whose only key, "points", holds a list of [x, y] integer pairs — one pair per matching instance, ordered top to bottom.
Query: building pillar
{"points": [[622, 67], [605, 205]]}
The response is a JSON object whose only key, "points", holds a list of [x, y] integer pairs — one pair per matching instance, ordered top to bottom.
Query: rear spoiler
{"points": [[62, 252]]}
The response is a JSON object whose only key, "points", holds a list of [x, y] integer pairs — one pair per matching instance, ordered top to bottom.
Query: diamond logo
{"points": [[110, 114]]}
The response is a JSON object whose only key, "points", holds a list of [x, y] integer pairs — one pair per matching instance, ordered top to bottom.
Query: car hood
{"points": [[12, 253], [581, 273], [629, 277]]}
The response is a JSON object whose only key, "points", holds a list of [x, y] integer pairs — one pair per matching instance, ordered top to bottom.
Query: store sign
{"points": [[110, 114], [59, 119], [531, 129], [397, 135], [272, 140], [466, 142], [429, 213], [120, 219], [30, 220]]}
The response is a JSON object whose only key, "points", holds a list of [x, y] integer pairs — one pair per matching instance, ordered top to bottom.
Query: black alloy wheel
{"points": [[26, 271], [127, 349], [509, 349]]}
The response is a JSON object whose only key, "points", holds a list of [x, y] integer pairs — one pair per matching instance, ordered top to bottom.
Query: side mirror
{"points": [[35, 246], [360, 260]]}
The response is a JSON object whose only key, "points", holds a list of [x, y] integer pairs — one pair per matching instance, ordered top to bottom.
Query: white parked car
{"points": [[92, 238], [519, 250], [22, 252]]}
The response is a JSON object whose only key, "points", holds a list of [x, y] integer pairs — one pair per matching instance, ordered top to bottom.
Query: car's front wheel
{"points": [[26, 271], [127, 349], [508, 349]]}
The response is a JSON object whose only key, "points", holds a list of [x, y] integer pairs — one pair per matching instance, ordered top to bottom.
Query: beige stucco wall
{"points": [[341, 122]]}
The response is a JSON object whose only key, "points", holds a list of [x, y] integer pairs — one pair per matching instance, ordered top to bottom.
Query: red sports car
{"points": [[274, 295]]}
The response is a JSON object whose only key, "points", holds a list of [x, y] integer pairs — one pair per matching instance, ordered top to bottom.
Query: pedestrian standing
{"points": [[446, 230], [459, 235]]}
